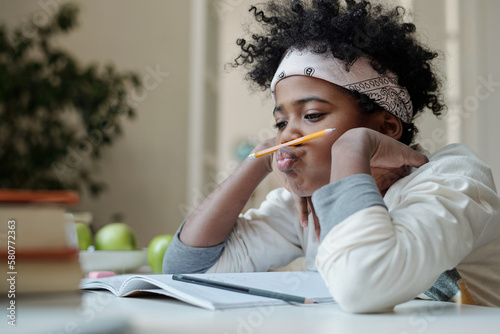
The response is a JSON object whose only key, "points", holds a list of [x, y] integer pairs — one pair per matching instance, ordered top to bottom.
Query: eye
{"points": [[312, 117], [280, 125]]}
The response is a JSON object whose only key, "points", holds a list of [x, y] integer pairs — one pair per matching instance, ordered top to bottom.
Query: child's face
{"points": [[305, 105]]}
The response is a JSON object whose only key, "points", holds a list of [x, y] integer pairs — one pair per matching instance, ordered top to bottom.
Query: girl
{"points": [[381, 222]]}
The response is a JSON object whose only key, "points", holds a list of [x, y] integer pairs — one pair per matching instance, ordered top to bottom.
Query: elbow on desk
{"points": [[183, 259], [175, 262], [171, 266], [170, 269], [373, 286], [357, 293], [355, 302]]}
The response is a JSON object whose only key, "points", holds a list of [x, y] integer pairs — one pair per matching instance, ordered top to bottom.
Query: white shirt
{"points": [[444, 215]]}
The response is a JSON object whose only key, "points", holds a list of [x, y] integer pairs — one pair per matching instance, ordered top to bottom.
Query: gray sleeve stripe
{"points": [[336, 201], [182, 259]]}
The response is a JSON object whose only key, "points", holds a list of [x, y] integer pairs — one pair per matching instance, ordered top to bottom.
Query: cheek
{"points": [[352, 119], [323, 151], [321, 160], [319, 163]]}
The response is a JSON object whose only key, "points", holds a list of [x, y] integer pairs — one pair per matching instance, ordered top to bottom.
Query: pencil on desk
{"points": [[290, 143], [242, 289]]}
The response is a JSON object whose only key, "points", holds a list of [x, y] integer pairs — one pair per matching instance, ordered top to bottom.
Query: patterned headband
{"points": [[361, 77]]}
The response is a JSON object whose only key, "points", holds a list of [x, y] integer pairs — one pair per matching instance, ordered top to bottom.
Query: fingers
{"points": [[393, 154], [411, 157], [418, 159], [270, 163], [387, 177], [304, 204], [302, 208], [317, 227]]}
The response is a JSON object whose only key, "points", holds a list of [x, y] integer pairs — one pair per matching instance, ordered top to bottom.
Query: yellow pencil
{"points": [[291, 143]]}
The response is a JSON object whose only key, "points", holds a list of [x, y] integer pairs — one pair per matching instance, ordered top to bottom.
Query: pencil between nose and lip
{"points": [[294, 142]]}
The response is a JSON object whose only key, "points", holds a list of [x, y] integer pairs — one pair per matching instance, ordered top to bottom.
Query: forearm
{"points": [[212, 222]]}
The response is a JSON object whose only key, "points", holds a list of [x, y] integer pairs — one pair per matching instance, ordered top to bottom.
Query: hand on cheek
{"points": [[366, 151]]}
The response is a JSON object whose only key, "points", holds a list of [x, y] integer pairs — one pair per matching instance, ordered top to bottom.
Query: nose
{"points": [[291, 132]]}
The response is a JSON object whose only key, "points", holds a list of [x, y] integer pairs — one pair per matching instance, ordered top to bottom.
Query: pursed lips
{"points": [[285, 159]]}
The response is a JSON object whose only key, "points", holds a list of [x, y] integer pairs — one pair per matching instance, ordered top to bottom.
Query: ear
{"points": [[390, 125]]}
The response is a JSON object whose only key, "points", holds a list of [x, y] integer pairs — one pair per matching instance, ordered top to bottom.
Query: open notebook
{"points": [[301, 283]]}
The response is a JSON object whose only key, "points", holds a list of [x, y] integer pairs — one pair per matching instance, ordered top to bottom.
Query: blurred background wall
{"points": [[198, 117]]}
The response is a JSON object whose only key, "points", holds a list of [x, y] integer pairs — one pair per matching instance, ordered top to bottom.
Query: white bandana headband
{"points": [[383, 89]]}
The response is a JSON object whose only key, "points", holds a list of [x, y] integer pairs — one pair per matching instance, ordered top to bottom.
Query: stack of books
{"points": [[39, 246]]}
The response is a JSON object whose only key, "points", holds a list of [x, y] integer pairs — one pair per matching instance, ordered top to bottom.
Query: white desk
{"points": [[99, 312]]}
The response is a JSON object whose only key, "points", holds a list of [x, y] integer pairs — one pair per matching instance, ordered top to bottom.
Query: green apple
{"points": [[84, 235], [115, 236], [156, 249]]}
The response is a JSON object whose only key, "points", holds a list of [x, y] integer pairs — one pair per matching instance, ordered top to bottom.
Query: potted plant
{"points": [[56, 115]]}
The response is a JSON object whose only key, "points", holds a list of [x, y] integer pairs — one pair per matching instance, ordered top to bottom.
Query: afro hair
{"points": [[347, 29]]}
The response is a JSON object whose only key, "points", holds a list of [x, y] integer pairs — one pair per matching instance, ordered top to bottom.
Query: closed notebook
{"points": [[39, 217], [306, 284]]}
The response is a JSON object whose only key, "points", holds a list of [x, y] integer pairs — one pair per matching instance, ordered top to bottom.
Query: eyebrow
{"points": [[303, 101]]}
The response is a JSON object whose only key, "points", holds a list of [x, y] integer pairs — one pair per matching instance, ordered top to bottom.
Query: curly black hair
{"points": [[347, 30]]}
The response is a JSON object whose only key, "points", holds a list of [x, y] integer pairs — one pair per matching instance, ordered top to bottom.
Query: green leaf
{"points": [[49, 101]]}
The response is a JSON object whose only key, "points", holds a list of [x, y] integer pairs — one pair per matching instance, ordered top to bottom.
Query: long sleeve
{"points": [[440, 217], [266, 238], [262, 239]]}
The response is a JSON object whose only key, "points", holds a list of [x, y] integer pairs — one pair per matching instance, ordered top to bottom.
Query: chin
{"points": [[302, 186], [305, 191], [302, 192]]}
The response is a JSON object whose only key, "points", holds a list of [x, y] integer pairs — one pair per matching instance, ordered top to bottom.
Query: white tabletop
{"points": [[104, 313]]}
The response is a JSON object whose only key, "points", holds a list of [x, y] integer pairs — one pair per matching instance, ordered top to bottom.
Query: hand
{"points": [[366, 151], [267, 160]]}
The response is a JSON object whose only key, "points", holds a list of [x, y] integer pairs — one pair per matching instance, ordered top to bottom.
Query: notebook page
{"points": [[304, 284]]}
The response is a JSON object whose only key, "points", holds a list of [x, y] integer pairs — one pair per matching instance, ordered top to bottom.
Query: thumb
{"points": [[302, 208], [317, 227]]}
